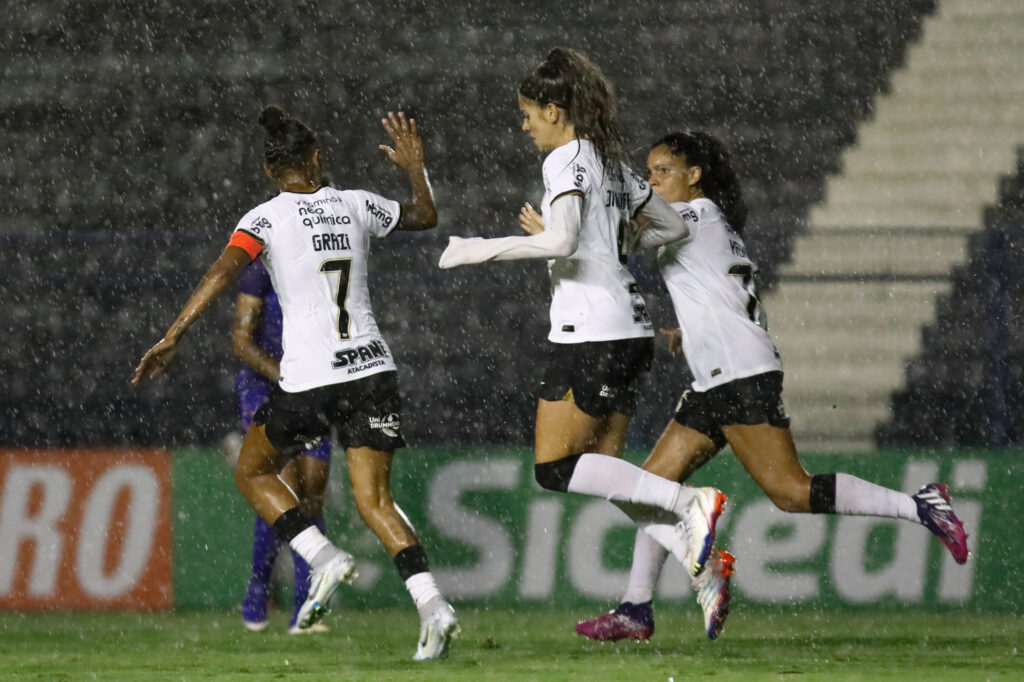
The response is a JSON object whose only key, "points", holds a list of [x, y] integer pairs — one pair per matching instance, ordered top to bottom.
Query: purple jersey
{"points": [[255, 281]]}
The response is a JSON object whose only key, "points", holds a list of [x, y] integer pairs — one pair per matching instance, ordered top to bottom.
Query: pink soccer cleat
{"points": [[937, 515], [627, 621]]}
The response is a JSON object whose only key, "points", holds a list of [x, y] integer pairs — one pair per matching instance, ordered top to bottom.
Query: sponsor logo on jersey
{"points": [[579, 173], [379, 213], [688, 214], [313, 216], [259, 223], [331, 242], [737, 248], [360, 354], [607, 391], [389, 424]]}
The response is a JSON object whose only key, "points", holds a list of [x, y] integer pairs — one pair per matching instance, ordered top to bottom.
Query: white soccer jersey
{"points": [[315, 247], [711, 282], [593, 296]]}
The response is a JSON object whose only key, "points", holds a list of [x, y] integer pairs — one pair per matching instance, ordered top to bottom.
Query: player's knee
{"points": [[555, 475]]}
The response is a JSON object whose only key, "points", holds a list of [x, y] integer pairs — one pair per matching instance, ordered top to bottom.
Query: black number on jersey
{"points": [[620, 238], [343, 266], [745, 271]]}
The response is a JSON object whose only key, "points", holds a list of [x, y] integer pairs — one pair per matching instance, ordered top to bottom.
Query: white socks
{"points": [[619, 481], [857, 497], [314, 547], [648, 559], [423, 589]]}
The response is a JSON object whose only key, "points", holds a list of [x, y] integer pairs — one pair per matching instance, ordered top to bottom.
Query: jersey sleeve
{"points": [[564, 172], [639, 190], [379, 214], [253, 232], [255, 280]]}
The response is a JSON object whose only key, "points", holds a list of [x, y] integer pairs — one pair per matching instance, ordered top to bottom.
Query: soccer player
{"points": [[601, 336], [256, 340], [337, 371], [736, 394]]}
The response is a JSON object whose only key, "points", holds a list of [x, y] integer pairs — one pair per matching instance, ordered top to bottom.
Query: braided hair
{"points": [[718, 180]]}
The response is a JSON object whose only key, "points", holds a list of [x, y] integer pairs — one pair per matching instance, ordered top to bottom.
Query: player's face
{"points": [[536, 122], [668, 174]]}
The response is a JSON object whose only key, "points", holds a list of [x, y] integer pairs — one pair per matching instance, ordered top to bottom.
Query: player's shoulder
{"points": [[571, 155]]}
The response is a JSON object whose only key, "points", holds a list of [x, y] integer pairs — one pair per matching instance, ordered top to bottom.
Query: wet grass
{"points": [[501, 644]]}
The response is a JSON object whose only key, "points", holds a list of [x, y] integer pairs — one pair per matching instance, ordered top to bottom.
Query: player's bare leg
{"points": [[769, 455], [370, 473], [256, 474]]}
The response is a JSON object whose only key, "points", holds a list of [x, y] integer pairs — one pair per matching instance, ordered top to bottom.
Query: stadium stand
{"points": [[130, 151], [895, 221], [961, 390]]}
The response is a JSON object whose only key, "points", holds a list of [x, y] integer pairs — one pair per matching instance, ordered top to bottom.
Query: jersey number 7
{"points": [[343, 266]]}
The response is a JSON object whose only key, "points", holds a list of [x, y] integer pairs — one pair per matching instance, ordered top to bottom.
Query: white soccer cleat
{"points": [[698, 526], [341, 570], [712, 587], [314, 629], [436, 634]]}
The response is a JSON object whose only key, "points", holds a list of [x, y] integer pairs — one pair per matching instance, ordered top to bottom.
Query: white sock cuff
{"points": [[617, 480], [308, 543], [423, 588]]}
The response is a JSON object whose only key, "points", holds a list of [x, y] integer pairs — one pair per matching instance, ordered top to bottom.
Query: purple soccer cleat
{"points": [[937, 515], [254, 607], [627, 621]]}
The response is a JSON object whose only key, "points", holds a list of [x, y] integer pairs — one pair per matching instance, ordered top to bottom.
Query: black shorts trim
{"points": [[601, 377], [752, 400], [365, 413]]}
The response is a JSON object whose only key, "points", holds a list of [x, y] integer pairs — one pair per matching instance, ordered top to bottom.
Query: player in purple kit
{"points": [[256, 340]]}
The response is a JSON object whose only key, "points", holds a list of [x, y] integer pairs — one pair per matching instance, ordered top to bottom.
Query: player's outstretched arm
{"points": [[407, 154], [223, 272]]}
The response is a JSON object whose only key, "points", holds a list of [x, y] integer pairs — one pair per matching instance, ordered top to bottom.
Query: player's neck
{"points": [[301, 184]]}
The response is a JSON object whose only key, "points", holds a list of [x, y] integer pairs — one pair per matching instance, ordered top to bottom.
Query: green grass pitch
{"points": [[502, 644]]}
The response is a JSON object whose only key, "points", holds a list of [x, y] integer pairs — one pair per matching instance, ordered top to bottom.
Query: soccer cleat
{"points": [[937, 515], [698, 525], [323, 582], [712, 587], [254, 607], [627, 621], [255, 625], [314, 629], [436, 634]]}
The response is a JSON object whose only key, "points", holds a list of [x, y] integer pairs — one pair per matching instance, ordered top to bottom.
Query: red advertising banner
{"points": [[85, 529]]}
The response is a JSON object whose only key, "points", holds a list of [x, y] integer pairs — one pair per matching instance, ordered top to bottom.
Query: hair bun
{"points": [[273, 119]]}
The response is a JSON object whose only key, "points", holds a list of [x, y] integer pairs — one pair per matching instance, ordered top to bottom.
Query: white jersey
{"points": [[315, 248], [711, 282], [593, 296]]}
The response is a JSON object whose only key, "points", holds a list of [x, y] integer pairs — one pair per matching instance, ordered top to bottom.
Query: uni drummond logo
{"points": [[389, 424]]}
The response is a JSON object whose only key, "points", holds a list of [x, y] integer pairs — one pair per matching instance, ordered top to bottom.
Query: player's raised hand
{"points": [[407, 151], [531, 221], [155, 361]]}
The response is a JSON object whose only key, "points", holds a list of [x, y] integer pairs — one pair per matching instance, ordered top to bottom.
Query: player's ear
{"points": [[551, 112], [266, 169], [693, 175]]}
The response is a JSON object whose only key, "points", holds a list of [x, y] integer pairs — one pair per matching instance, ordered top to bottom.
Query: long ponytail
{"points": [[573, 82]]}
